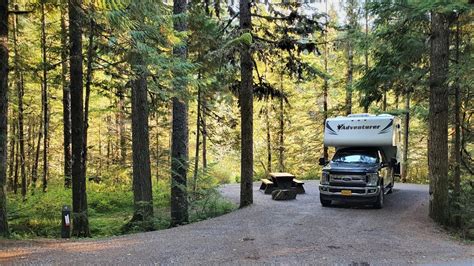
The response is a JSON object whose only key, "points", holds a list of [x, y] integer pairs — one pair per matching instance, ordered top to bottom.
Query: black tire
{"points": [[380, 198], [325, 203]]}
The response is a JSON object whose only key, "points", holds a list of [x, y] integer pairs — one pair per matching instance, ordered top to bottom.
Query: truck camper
{"points": [[366, 159]]}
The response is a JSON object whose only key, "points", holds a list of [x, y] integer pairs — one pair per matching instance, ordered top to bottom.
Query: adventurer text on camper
{"points": [[344, 127]]}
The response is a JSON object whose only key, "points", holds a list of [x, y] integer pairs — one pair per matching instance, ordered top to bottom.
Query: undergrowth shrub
{"points": [[205, 200], [110, 206], [462, 210]]}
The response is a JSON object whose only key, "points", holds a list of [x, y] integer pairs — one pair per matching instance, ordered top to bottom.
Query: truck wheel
{"points": [[325, 203], [379, 203]]}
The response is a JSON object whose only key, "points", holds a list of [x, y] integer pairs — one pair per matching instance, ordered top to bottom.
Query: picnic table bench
{"points": [[298, 185], [267, 186]]}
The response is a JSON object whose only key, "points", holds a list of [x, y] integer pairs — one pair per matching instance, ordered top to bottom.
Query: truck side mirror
{"points": [[322, 161]]}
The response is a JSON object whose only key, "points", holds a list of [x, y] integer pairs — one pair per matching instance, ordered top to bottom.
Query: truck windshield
{"points": [[355, 156]]}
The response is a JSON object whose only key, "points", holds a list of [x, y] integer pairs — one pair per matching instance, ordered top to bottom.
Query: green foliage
{"points": [[222, 175], [206, 201], [110, 209], [462, 209], [40, 215]]}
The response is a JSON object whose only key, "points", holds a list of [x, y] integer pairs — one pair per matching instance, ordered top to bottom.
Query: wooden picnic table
{"points": [[282, 180]]}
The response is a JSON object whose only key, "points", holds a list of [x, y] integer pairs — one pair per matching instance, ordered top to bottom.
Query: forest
{"points": [[135, 112]]}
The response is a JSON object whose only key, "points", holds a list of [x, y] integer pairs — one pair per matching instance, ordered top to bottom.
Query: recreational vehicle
{"points": [[366, 159]]}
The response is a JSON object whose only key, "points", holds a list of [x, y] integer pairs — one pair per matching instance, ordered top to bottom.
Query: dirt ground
{"points": [[273, 232]]}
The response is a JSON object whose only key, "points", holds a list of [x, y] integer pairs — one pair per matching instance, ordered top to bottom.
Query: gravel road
{"points": [[271, 232]]}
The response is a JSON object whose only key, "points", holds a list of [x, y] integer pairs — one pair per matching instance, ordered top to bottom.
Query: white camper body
{"points": [[364, 130]]}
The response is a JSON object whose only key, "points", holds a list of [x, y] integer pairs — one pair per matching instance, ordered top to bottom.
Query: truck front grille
{"points": [[348, 180]]}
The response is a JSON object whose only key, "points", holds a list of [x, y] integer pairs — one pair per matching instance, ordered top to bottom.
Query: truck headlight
{"points": [[324, 179], [372, 179]]}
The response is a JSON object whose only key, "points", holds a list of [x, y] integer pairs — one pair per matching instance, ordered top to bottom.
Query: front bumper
{"points": [[358, 194]]}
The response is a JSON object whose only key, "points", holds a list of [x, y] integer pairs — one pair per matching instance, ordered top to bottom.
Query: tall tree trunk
{"points": [[352, 19], [366, 50], [89, 73], [349, 77], [326, 83], [20, 93], [66, 98], [45, 99], [384, 99], [204, 103], [246, 110], [3, 114], [438, 118], [108, 119], [457, 119], [121, 126], [406, 129], [204, 132], [198, 135], [269, 136], [31, 144], [281, 144], [179, 147], [158, 150], [457, 150], [11, 164], [17, 164], [99, 169], [34, 171], [142, 192], [79, 196]]}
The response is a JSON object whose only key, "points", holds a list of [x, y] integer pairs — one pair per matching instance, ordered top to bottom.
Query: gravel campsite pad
{"points": [[273, 232]]}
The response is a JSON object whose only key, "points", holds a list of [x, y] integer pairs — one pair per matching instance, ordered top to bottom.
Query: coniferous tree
{"points": [[352, 27], [326, 81], [88, 85], [20, 94], [66, 97], [45, 98], [246, 109], [3, 114], [457, 114], [438, 118], [180, 141], [142, 192], [79, 196]]}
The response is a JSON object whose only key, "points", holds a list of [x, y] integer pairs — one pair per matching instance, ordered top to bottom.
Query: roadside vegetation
{"points": [[110, 208]]}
